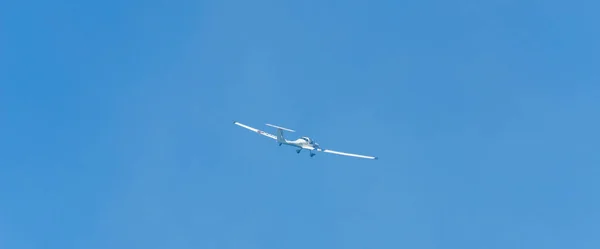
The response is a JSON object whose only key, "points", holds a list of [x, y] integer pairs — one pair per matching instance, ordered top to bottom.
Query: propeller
{"points": [[316, 144]]}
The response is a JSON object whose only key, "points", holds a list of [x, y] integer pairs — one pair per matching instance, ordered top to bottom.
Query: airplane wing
{"points": [[266, 134], [347, 154]]}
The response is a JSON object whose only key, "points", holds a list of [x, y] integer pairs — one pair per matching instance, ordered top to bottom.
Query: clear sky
{"points": [[117, 131]]}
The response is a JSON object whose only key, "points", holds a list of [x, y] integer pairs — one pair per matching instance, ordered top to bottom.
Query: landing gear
{"points": [[311, 153]]}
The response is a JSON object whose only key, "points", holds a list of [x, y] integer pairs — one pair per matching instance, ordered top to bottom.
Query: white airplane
{"points": [[300, 143]]}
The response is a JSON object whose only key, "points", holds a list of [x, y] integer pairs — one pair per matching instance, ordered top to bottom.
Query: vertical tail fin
{"points": [[280, 138]]}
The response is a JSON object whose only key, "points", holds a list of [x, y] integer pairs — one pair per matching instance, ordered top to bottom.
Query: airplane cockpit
{"points": [[307, 139]]}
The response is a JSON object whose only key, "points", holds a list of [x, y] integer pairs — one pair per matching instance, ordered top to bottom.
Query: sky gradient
{"points": [[117, 126]]}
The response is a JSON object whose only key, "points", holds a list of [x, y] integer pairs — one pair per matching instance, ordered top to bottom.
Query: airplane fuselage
{"points": [[296, 143], [300, 143]]}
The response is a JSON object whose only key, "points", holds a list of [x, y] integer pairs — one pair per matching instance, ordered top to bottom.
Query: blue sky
{"points": [[117, 124]]}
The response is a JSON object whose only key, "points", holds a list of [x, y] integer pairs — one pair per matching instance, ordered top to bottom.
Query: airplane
{"points": [[301, 143]]}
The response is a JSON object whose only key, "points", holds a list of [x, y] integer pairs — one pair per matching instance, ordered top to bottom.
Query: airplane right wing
{"points": [[266, 134], [347, 154]]}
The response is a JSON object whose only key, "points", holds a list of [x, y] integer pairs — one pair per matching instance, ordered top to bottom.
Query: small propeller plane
{"points": [[300, 143]]}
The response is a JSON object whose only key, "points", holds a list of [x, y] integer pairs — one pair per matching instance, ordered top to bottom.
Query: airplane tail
{"points": [[279, 127], [280, 138]]}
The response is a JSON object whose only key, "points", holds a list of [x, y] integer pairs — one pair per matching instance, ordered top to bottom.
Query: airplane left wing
{"points": [[266, 134], [308, 147], [347, 154]]}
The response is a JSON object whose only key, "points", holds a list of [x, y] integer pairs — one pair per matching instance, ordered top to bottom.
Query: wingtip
{"points": [[376, 158]]}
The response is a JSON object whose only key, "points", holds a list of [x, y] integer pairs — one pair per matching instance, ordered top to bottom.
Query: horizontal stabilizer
{"points": [[279, 127]]}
